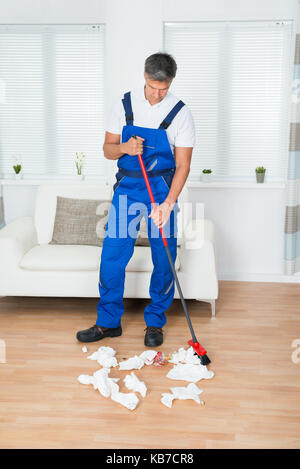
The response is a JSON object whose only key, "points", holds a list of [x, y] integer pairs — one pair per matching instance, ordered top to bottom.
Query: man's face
{"points": [[155, 91]]}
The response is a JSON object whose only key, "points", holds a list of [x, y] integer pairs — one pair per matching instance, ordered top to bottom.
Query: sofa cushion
{"points": [[45, 205], [80, 221], [61, 257], [81, 258]]}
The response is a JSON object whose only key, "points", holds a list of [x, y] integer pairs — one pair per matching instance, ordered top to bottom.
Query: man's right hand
{"points": [[133, 147]]}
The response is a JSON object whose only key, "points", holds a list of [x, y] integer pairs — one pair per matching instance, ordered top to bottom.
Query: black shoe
{"points": [[95, 333], [153, 336]]}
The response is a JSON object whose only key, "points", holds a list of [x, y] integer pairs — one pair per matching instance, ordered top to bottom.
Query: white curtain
{"points": [[235, 78], [52, 99]]}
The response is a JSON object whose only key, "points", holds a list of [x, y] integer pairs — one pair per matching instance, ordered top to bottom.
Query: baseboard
{"points": [[244, 277]]}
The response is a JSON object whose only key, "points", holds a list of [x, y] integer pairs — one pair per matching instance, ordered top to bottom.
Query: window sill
{"points": [[39, 181], [189, 184], [235, 185]]}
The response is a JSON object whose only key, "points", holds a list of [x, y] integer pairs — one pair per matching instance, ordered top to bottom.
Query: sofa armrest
{"points": [[198, 232], [16, 239]]}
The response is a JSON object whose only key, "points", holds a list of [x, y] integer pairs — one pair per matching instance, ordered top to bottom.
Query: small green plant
{"points": [[79, 162], [17, 168], [260, 169], [207, 171]]}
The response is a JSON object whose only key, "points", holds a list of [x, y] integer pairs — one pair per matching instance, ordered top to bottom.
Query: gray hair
{"points": [[160, 67]]}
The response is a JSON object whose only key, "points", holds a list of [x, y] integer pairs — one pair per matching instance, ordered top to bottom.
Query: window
{"points": [[235, 77], [52, 99]]}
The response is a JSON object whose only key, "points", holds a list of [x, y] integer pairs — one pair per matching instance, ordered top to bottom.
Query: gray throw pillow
{"points": [[80, 221]]}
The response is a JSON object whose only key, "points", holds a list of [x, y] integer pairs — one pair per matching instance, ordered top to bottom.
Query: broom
{"points": [[198, 349]]}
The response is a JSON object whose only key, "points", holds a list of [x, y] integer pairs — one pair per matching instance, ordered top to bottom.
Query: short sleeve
{"points": [[115, 118], [185, 136]]}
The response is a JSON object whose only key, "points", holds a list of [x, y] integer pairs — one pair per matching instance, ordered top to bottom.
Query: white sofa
{"points": [[29, 266]]}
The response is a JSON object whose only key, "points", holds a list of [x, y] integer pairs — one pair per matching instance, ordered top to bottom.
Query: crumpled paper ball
{"points": [[105, 356], [134, 384], [191, 391]]}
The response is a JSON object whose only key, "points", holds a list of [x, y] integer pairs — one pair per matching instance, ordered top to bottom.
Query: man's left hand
{"points": [[160, 214]]}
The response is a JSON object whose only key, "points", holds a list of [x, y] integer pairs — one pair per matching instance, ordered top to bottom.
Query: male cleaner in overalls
{"points": [[157, 125]]}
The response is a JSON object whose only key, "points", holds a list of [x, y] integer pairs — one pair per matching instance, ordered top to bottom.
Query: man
{"points": [[154, 123]]}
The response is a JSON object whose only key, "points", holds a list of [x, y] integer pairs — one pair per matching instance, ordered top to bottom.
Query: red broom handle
{"points": [[151, 195]]}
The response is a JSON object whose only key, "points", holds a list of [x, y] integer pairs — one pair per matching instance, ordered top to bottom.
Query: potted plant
{"points": [[79, 164], [17, 166], [260, 173], [206, 175]]}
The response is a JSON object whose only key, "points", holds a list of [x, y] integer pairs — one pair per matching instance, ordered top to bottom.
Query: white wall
{"points": [[249, 222], [249, 231]]}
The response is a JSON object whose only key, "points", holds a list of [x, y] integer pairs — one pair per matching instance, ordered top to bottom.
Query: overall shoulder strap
{"points": [[127, 108], [167, 120]]}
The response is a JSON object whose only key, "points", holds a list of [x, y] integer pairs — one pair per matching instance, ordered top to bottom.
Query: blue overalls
{"points": [[130, 203]]}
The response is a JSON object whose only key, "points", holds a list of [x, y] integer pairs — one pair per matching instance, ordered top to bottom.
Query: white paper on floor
{"points": [[84, 349], [105, 356], [148, 356], [185, 356], [137, 362], [133, 363], [187, 367], [192, 373], [86, 379], [101, 381], [134, 384], [108, 387], [191, 391], [167, 399], [129, 400]]}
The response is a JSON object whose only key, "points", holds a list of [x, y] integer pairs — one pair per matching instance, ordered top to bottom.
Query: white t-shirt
{"points": [[181, 132]]}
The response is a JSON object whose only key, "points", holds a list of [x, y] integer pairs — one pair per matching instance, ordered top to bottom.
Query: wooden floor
{"points": [[252, 402]]}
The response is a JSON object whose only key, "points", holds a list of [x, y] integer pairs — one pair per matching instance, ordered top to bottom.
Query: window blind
{"points": [[235, 78], [52, 99]]}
